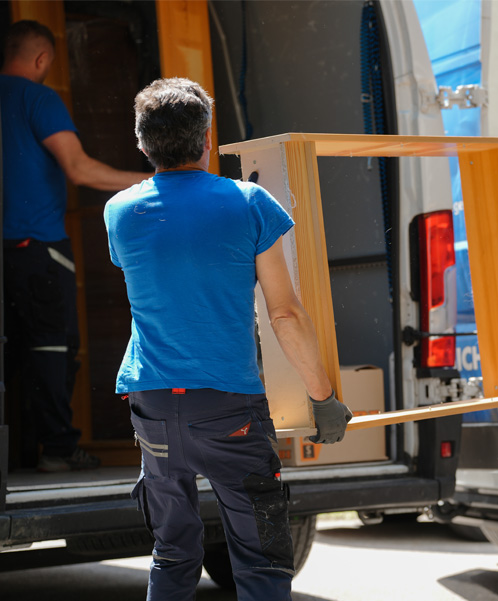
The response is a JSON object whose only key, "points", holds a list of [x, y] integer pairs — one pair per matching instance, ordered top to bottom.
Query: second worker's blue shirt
{"points": [[34, 185]]}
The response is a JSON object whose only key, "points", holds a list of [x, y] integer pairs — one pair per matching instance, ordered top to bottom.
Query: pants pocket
{"points": [[221, 426], [152, 436], [231, 446], [270, 500]]}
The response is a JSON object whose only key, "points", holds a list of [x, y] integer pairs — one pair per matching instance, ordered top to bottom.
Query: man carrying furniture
{"points": [[192, 246]]}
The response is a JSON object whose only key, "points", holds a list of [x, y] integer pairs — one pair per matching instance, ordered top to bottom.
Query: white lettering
{"points": [[458, 207], [468, 358], [476, 358], [467, 363]]}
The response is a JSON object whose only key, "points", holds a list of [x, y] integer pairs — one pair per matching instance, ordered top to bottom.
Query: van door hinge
{"points": [[464, 97], [457, 389]]}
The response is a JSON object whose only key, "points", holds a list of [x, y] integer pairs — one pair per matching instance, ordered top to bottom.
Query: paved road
{"points": [[348, 562]]}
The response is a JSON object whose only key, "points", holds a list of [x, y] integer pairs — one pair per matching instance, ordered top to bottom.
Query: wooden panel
{"points": [[185, 49], [357, 145], [290, 173], [480, 195], [316, 295], [419, 413], [390, 418]]}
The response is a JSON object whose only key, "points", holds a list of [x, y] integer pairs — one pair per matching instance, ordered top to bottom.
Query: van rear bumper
{"points": [[23, 525]]}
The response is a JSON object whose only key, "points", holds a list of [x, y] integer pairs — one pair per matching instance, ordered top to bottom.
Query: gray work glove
{"points": [[331, 418]]}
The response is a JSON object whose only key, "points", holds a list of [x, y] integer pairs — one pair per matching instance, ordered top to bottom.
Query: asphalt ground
{"points": [[404, 561]]}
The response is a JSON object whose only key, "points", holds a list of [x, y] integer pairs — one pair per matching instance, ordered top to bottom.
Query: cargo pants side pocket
{"points": [[270, 498]]}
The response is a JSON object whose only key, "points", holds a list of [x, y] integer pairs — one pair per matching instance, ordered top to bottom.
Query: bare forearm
{"points": [[83, 170], [94, 174], [296, 335]]}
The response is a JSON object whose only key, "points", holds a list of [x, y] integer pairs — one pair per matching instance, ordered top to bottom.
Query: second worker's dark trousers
{"points": [[42, 337], [229, 439]]}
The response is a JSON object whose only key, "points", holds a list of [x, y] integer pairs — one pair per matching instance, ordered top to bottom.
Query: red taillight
{"points": [[437, 256], [447, 449]]}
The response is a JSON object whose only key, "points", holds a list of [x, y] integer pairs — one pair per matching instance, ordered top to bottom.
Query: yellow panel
{"points": [[185, 49], [356, 145], [480, 196], [314, 275], [390, 418]]}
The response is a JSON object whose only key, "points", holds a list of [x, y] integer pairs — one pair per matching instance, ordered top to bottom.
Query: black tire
{"points": [[303, 533], [217, 561]]}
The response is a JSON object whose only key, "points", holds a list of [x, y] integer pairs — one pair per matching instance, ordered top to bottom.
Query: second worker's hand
{"points": [[331, 419]]}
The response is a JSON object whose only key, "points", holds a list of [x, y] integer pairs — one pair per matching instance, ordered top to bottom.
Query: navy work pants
{"points": [[42, 337], [230, 439]]}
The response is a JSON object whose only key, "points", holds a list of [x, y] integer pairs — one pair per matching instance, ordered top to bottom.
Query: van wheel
{"points": [[303, 533], [217, 562]]}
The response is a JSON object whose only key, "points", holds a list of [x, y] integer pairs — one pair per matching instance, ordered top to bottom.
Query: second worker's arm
{"points": [[83, 170]]}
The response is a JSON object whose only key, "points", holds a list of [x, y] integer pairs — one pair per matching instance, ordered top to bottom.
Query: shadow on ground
{"points": [[423, 536], [97, 582], [474, 585]]}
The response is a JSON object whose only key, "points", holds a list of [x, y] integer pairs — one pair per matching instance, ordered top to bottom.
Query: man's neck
{"points": [[17, 71], [200, 165], [188, 167]]}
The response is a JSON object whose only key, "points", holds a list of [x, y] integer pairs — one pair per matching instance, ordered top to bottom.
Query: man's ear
{"points": [[42, 60], [209, 139], [142, 150]]}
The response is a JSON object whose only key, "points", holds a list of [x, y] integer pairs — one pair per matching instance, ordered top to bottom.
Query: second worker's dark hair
{"points": [[21, 31]]}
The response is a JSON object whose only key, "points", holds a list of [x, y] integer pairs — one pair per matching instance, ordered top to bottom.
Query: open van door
{"points": [[465, 65]]}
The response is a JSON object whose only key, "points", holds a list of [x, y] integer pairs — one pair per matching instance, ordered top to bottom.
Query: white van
{"points": [[285, 66]]}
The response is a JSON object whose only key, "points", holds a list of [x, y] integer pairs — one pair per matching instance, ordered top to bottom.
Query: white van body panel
{"points": [[425, 183]]}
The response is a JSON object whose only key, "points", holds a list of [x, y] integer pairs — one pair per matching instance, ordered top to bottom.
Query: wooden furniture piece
{"points": [[287, 168]]}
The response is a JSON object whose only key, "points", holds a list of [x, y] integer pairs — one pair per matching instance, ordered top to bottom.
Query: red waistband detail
{"points": [[24, 243], [178, 390]]}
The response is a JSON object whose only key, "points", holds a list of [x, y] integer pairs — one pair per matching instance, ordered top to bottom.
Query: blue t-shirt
{"points": [[34, 185], [187, 242]]}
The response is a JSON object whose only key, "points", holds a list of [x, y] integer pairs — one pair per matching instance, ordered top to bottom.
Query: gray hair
{"points": [[172, 117]]}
